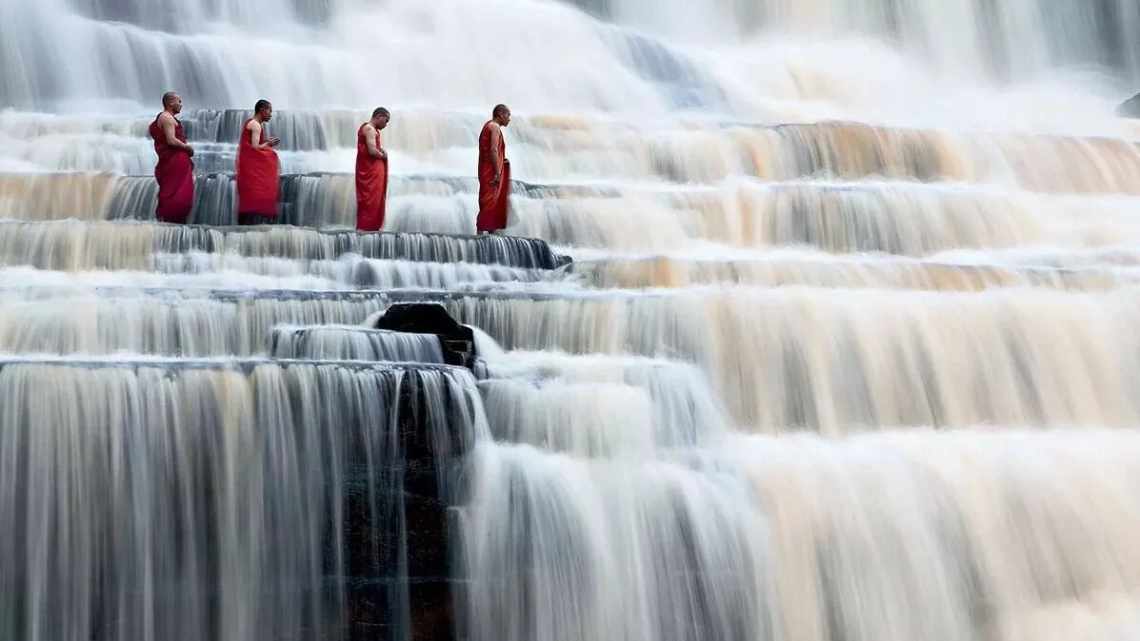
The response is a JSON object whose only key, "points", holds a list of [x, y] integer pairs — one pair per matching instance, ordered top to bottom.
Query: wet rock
{"points": [[1130, 108], [457, 341]]}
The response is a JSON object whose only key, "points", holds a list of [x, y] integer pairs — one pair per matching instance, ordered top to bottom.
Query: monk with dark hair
{"points": [[258, 170], [174, 171], [371, 173], [494, 173]]}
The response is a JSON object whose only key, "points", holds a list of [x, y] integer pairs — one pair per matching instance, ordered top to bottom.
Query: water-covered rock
{"points": [[1130, 108]]}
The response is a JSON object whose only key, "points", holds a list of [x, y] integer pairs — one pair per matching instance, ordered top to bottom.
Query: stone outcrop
{"points": [[1130, 108]]}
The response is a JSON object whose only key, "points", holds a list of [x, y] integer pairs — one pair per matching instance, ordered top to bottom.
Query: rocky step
{"points": [[696, 152], [311, 199], [75, 245], [790, 268], [178, 322], [420, 331], [354, 343], [919, 343]]}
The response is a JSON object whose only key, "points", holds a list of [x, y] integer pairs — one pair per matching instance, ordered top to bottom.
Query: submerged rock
{"points": [[1130, 108]]}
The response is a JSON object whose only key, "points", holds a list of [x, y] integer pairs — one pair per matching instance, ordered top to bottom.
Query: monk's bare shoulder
{"points": [[165, 117], [253, 125], [368, 128], [495, 130]]}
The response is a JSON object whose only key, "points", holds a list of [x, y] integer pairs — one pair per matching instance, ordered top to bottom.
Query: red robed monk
{"points": [[258, 170], [174, 171], [371, 173], [494, 173]]}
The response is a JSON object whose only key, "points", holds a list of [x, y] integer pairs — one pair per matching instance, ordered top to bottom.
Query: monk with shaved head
{"points": [[174, 171], [258, 171], [371, 173], [494, 173]]}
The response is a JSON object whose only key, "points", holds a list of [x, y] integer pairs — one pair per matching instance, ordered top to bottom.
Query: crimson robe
{"points": [[175, 175], [258, 177], [371, 185], [493, 199]]}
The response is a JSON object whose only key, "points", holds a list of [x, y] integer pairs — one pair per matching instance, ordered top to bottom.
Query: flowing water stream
{"points": [[847, 350]]}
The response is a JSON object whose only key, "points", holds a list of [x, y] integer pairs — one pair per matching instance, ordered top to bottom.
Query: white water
{"points": [[849, 350], [165, 498]]}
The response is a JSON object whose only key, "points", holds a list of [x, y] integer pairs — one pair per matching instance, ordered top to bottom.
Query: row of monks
{"points": [[257, 169]]}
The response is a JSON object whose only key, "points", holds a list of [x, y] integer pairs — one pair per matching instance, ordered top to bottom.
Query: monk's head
{"points": [[172, 102], [263, 110], [502, 115], [380, 118]]}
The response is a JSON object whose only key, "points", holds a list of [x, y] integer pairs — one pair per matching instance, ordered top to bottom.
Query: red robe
{"points": [[175, 175], [258, 175], [371, 185], [492, 198]]}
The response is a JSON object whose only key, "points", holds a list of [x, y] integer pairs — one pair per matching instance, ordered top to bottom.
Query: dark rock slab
{"points": [[1130, 108], [458, 341]]}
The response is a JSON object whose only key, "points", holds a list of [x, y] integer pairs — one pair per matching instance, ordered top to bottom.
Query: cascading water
{"points": [[846, 350], [212, 500]]}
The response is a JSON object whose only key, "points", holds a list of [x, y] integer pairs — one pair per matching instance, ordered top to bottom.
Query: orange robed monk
{"points": [[258, 170], [174, 171], [371, 173], [494, 173]]}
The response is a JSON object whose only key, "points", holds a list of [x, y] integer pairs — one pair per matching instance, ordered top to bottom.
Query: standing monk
{"points": [[258, 170], [174, 171], [371, 173], [494, 173]]}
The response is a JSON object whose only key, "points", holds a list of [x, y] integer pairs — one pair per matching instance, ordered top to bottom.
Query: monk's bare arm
{"points": [[166, 121], [254, 129], [370, 137], [496, 162]]}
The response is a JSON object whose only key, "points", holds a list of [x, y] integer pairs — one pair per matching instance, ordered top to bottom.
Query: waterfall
{"points": [[1010, 39], [224, 53], [73, 246], [776, 269], [814, 320], [354, 343], [790, 358], [568, 403], [223, 500], [1006, 535]]}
